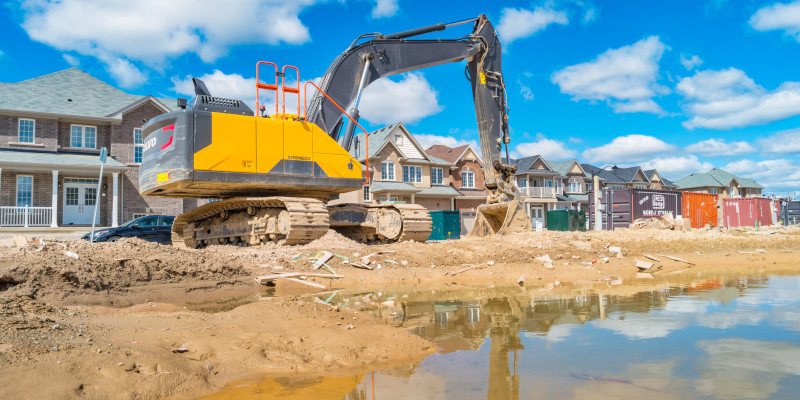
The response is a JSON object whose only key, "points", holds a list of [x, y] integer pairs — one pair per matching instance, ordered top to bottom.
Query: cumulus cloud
{"points": [[385, 8], [779, 16], [518, 23], [121, 33], [71, 60], [690, 62], [124, 72], [625, 78], [220, 84], [527, 93], [728, 99], [409, 100], [427, 140], [575, 140], [785, 142], [719, 147], [547, 148], [630, 148], [678, 166], [776, 175]]}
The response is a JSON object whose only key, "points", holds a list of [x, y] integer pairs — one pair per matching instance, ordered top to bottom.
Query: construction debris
{"points": [[660, 222], [20, 241], [614, 250], [324, 257], [651, 257], [366, 259], [677, 259], [546, 261], [360, 265], [643, 265], [464, 269], [267, 279], [521, 280]]}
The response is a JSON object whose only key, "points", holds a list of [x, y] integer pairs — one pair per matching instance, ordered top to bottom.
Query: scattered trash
{"points": [[614, 250], [71, 254], [619, 255], [324, 257], [651, 257], [677, 259], [390, 261], [404, 262], [490, 262], [360, 265], [643, 265], [464, 269], [266, 279], [521, 280], [351, 326], [181, 349]]}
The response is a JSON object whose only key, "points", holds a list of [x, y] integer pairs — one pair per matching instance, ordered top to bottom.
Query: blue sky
{"points": [[678, 85]]}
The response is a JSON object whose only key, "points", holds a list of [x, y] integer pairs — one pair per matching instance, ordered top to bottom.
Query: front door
{"points": [[79, 198], [537, 215]]}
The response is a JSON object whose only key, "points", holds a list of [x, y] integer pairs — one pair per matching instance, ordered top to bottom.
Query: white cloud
{"points": [[385, 8], [785, 17], [518, 23], [155, 31], [72, 60], [691, 62], [125, 73], [625, 78], [527, 93], [728, 98], [409, 100], [427, 140], [575, 140], [785, 142], [719, 147], [547, 148], [631, 148], [678, 166], [776, 175]]}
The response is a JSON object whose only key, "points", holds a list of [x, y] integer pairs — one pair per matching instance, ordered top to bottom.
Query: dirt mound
{"points": [[334, 240], [107, 267]]}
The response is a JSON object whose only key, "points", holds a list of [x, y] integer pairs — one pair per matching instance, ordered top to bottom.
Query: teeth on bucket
{"points": [[500, 219]]}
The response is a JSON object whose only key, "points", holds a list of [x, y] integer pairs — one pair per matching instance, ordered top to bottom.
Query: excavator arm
{"points": [[385, 55]]}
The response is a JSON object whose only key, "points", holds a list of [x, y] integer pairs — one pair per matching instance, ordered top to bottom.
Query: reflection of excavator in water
{"points": [[219, 148]]}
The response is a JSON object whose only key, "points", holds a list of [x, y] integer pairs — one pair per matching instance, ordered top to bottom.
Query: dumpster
{"points": [[701, 208], [747, 211], [790, 212], [566, 220], [446, 225]]}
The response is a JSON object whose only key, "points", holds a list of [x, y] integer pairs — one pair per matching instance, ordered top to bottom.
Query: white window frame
{"points": [[19, 130], [83, 136], [398, 139], [139, 145], [387, 171], [434, 171], [415, 177], [521, 182], [467, 183], [548, 183], [618, 186], [640, 186], [571, 189], [17, 190], [712, 190], [367, 194], [384, 199]]}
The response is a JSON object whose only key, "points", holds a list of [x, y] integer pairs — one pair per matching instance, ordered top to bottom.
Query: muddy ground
{"points": [[134, 319]]}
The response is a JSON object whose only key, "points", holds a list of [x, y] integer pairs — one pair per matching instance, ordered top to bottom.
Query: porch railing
{"points": [[539, 192], [25, 216]]}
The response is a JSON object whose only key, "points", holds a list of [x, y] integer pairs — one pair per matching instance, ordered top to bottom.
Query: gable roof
{"points": [[70, 92], [381, 138], [449, 154], [525, 165], [563, 167], [615, 174], [715, 178]]}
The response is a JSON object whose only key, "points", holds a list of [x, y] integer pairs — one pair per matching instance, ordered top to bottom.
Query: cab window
{"points": [[149, 221]]}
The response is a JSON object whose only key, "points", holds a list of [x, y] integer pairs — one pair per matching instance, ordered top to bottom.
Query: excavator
{"points": [[275, 172]]}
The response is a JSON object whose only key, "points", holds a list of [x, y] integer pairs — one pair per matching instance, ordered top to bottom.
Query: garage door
{"points": [[467, 219]]}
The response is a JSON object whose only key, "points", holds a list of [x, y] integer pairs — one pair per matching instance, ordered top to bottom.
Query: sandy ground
{"points": [[115, 322]]}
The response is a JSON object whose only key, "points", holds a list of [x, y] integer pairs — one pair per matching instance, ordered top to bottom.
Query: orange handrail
{"points": [[266, 86], [285, 89], [366, 135]]}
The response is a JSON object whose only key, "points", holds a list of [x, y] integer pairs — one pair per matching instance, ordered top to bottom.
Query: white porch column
{"points": [[1, 180], [412, 198], [115, 200], [54, 205]]}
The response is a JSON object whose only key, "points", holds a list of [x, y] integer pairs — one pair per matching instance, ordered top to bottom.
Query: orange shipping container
{"points": [[701, 208]]}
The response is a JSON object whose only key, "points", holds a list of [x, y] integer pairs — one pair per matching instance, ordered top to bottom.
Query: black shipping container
{"points": [[623, 206], [790, 212]]}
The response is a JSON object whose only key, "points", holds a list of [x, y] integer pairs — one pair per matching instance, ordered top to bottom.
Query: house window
{"points": [[26, 128], [84, 137], [398, 139], [138, 145], [387, 171], [412, 173], [437, 176], [468, 179], [521, 182], [548, 183], [640, 186], [574, 187], [617, 187], [24, 191], [712, 191], [367, 194], [384, 199]]}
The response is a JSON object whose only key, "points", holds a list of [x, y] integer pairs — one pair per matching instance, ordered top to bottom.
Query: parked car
{"points": [[153, 228]]}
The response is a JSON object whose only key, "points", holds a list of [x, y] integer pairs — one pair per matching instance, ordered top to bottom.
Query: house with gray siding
{"points": [[52, 128]]}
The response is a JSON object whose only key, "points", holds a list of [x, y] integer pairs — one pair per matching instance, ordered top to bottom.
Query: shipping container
{"points": [[623, 206], [702, 208], [747, 211], [790, 212], [446, 225]]}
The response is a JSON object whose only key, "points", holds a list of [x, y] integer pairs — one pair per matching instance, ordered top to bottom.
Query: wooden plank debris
{"points": [[325, 257], [651, 257], [366, 259], [677, 259], [360, 265], [643, 265], [465, 269], [265, 279]]}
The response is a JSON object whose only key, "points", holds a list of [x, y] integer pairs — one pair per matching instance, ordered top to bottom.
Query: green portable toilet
{"points": [[558, 220], [446, 225]]}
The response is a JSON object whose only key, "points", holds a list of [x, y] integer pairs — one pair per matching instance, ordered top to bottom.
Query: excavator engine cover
{"points": [[500, 219]]}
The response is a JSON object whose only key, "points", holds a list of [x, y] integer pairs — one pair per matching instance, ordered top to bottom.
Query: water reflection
{"points": [[717, 338]]}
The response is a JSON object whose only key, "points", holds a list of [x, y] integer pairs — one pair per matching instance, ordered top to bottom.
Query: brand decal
{"points": [[148, 144], [300, 158]]}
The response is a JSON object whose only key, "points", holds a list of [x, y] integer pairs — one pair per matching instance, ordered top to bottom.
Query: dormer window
{"points": [[398, 139]]}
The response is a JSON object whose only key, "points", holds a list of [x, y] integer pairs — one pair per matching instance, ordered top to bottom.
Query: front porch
{"points": [[45, 189]]}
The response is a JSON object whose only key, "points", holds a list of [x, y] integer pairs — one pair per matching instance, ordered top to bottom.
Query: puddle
{"points": [[734, 337]]}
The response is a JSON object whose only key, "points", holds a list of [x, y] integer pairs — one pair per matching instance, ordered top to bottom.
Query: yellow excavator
{"points": [[275, 172]]}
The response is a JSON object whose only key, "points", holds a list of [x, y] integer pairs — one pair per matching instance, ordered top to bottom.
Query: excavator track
{"points": [[251, 221], [381, 222]]}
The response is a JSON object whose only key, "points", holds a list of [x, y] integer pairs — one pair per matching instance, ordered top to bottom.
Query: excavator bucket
{"points": [[500, 219]]}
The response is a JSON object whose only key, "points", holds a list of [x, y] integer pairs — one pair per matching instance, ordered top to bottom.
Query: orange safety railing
{"points": [[266, 86], [294, 90], [366, 135]]}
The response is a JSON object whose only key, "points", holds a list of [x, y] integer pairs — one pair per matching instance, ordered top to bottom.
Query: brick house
{"points": [[51, 130], [401, 171], [467, 178], [721, 182], [574, 185]]}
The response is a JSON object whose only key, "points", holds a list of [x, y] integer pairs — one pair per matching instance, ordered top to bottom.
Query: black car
{"points": [[153, 228]]}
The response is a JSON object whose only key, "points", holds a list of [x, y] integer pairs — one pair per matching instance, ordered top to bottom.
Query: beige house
{"points": [[400, 170], [720, 182]]}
